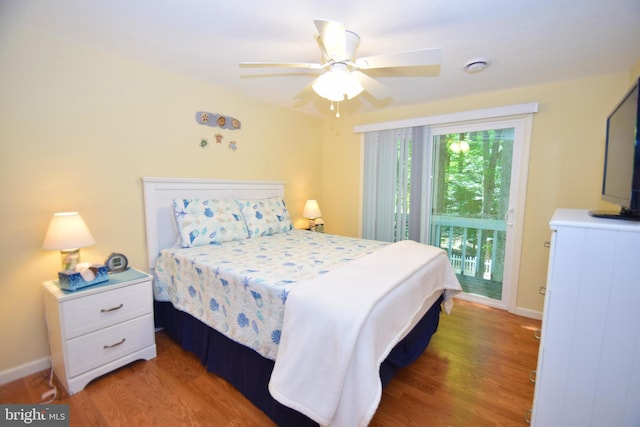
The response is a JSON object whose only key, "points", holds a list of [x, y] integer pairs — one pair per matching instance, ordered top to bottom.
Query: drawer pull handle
{"points": [[106, 310], [537, 333], [114, 345], [532, 376], [527, 416]]}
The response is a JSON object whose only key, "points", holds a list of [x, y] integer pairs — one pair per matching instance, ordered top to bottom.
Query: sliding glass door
{"points": [[457, 186], [471, 201]]}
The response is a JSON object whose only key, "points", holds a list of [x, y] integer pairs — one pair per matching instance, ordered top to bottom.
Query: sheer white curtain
{"points": [[392, 180]]}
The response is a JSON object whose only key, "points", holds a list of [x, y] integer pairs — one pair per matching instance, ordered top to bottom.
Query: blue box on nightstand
{"points": [[72, 280]]}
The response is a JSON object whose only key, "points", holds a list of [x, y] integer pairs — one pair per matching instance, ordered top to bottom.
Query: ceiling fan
{"points": [[345, 75]]}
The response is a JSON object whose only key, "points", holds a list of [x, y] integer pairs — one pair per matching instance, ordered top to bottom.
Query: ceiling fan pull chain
{"points": [[338, 109]]}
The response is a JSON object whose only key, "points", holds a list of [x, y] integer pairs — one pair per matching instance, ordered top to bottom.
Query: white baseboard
{"points": [[526, 312], [24, 370]]}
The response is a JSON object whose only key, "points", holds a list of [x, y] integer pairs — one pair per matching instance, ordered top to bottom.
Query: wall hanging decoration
{"points": [[219, 120]]}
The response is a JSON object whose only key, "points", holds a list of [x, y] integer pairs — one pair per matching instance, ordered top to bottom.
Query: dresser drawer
{"points": [[90, 313], [98, 348]]}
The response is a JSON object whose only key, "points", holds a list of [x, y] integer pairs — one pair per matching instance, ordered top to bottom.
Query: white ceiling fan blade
{"points": [[332, 38], [409, 58], [309, 65], [372, 86], [306, 92]]}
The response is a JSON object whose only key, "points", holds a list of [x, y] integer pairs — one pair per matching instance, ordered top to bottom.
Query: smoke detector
{"points": [[476, 65]]}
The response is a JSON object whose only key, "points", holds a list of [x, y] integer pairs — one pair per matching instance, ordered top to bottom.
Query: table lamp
{"points": [[312, 212], [68, 233]]}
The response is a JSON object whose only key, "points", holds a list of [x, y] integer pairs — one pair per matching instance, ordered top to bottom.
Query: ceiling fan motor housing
{"points": [[352, 41]]}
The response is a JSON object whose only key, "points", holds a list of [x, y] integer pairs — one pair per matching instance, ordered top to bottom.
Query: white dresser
{"points": [[97, 329], [588, 370]]}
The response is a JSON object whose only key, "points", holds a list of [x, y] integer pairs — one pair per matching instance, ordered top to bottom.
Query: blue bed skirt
{"points": [[249, 372]]}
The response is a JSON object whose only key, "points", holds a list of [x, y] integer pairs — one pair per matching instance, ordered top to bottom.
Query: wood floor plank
{"points": [[474, 372]]}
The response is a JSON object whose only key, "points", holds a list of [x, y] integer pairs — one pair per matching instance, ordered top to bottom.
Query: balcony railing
{"points": [[472, 240], [469, 266]]}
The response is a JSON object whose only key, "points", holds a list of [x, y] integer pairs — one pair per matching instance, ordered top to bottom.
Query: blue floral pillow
{"points": [[265, 216], [208, 221]]}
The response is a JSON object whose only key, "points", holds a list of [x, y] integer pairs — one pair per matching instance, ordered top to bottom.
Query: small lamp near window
{"points": [[312, 212], [68, 233]]}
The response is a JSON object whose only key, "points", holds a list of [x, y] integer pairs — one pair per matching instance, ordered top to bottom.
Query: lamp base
{"points": [[70, 258]]}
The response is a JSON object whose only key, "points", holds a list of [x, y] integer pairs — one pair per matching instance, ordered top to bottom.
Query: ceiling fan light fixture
{"points": [[337, 84], [352, 86]]}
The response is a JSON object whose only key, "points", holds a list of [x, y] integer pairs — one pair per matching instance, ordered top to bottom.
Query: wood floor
{"points": [[474, 373]]}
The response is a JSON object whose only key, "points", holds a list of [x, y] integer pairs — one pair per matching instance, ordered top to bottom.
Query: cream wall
{"points": [[80, 127], [565, 167]]}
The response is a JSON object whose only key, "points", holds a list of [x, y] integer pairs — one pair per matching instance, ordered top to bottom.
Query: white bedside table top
{"points": [[116, 280]]}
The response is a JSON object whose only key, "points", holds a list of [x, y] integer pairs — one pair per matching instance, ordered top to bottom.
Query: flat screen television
{"points": [[621, 177]]}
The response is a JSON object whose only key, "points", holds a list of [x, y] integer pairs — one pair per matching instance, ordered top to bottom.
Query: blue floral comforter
{"points": [[240, 287]]}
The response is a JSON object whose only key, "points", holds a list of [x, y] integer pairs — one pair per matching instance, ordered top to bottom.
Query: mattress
{"points": [[240, 287]]}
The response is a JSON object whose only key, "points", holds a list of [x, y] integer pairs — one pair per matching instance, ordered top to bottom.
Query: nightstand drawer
{"points": [[88, 314], [92, 350]]}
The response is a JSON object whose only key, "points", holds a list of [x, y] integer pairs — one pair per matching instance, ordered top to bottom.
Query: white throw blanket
{"points": [[339, 327]]}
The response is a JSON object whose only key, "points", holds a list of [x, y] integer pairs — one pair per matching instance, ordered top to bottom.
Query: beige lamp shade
{"points": [[311, 210], [67, 230], [68, 233]]}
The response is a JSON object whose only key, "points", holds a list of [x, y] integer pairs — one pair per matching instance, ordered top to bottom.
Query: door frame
{"points": [[517, 195]]}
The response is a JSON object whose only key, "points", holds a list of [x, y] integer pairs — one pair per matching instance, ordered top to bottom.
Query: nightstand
{"points": [[94, 330]]}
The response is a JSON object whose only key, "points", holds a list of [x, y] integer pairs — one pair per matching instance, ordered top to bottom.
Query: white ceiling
{"points": [[527, 41]]}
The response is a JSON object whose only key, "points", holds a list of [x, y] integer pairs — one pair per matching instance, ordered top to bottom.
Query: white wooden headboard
{"points": [[160, 192]]}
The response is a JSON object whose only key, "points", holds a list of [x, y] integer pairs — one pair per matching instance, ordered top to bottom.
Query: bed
{"points": [[305, 325]]}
